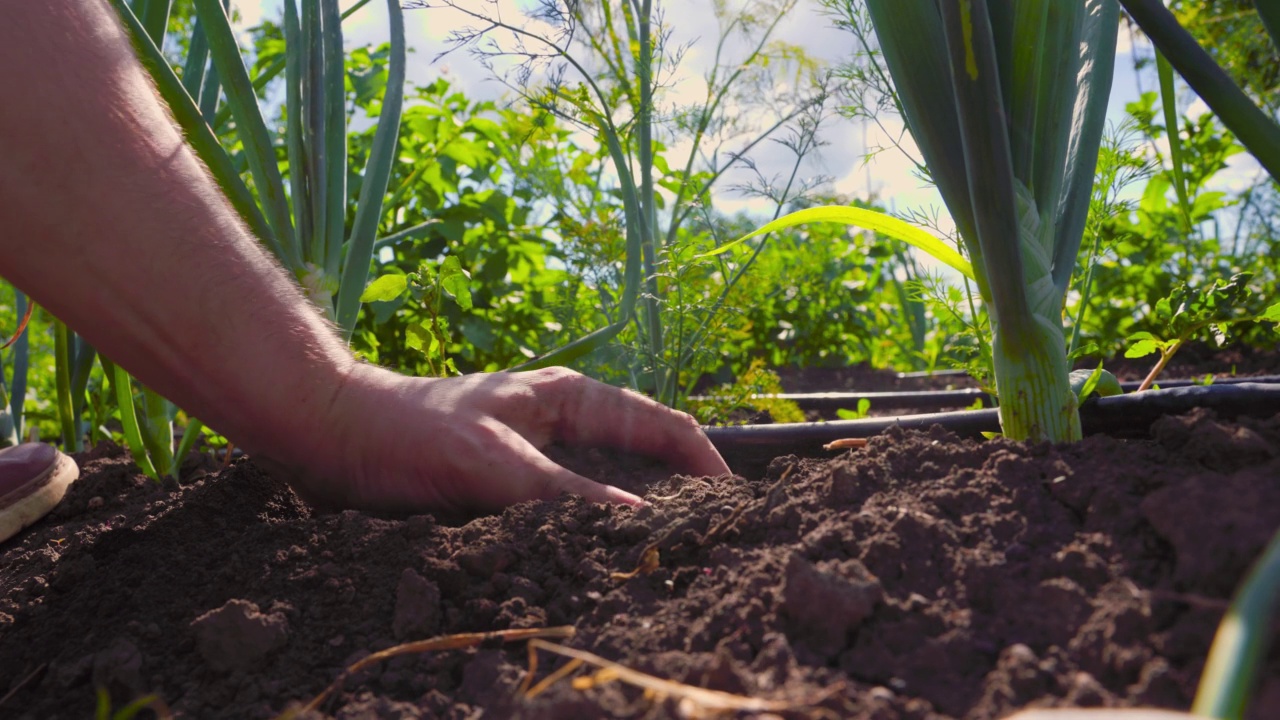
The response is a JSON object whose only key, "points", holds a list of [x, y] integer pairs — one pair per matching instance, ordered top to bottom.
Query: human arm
{"points": [[109, 220]]}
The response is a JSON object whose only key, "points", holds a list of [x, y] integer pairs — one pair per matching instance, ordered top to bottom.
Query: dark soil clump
{"points": [[921, 577]]}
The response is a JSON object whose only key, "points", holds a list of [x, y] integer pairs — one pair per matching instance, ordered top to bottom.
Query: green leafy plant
{"points": [[468, 184], [431, 284], [1190, 309], [751, 393]]}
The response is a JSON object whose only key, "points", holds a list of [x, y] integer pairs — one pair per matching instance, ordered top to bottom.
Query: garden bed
{"points": [[921, 577]]}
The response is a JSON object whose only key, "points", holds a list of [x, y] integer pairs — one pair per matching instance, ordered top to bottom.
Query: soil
{"points": [[920, 577]]}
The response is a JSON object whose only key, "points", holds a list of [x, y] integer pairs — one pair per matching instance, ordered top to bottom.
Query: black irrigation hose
{"points": [[831, 401], [1121, 415]]}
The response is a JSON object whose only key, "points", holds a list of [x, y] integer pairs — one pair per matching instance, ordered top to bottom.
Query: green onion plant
{"points": [[1006, 102], [304, 227]]}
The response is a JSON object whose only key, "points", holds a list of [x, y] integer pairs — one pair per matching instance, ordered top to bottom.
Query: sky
{"points": [[842, 159]]}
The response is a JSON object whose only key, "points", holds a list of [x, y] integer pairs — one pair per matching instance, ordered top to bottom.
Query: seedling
{"points": [[432, 285], [1189, 310], [864, 408], [153, 703]]}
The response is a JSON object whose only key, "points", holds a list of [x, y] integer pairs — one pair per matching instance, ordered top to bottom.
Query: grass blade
{"points": [[1269, 11], [154, 15], [194, 70], [1096, 70], [272, 71], [209, 94], [1169, 105], [314, 118], [197, 132], [335, 139], [984, 139], [258, 148], [298, 173], [377, 174], [82, 357], [21, 366], [62, 368], [123, 386], [156, 430], [189, 436], [1241, 641]]}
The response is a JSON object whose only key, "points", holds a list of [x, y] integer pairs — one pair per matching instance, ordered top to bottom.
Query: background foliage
{"points": [[526, 201]]}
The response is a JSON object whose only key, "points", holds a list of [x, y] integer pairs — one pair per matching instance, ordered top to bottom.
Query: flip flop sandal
{"points": [[33, 479]]}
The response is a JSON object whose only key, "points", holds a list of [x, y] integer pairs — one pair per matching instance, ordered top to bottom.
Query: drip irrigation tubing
{"points": [[964, 397], [1128, 415]]}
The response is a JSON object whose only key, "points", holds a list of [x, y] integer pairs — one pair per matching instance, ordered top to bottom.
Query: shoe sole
{"points": [[24, 506]]}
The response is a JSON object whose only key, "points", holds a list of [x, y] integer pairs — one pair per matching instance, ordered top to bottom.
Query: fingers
{"points": [[593, 413], [513, 470]]}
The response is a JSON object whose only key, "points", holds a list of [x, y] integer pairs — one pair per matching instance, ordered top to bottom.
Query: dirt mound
{"points": [[922, 577]]}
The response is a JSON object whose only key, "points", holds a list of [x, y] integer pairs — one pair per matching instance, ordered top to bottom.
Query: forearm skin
{"points": [[109, 221]]}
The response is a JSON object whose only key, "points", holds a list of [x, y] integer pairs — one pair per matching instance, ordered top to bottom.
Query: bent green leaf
{"points": [[868, 220]]}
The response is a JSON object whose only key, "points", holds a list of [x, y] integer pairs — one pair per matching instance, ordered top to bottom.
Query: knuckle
{"points": [[557, 376], [686, 420]]}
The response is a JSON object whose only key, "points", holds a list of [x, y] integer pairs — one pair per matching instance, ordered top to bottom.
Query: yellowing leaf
{"points": [[868, 220]]}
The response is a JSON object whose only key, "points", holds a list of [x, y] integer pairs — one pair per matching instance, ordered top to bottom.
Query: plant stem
{"points": [[1086, 290], [1166, 354]]}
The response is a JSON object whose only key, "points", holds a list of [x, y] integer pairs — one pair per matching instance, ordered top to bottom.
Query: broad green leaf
{"points": [[1206, 202], [868, 220], [455, 281], [385, 288], [1272, 314], [419, 336], [1143, 343]]}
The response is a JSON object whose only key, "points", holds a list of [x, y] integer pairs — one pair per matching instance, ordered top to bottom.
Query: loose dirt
{"points": [[920, 577]]}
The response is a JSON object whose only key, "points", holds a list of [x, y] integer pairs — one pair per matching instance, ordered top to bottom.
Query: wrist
{"points": [[324, 459]]}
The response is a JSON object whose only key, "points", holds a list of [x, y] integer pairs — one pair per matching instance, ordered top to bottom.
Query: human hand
{"points": [[473, 443]]}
